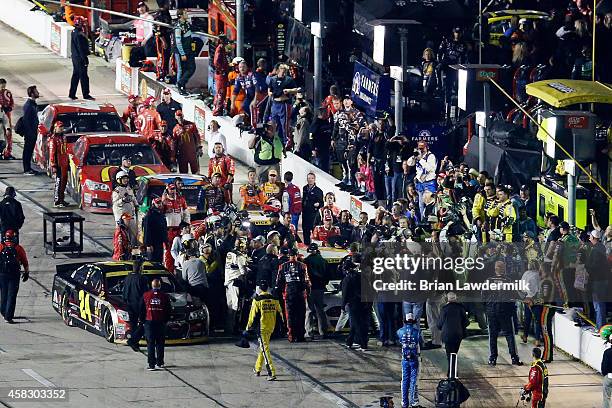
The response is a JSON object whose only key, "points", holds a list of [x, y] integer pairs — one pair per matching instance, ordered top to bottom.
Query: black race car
{"points": [[89, 296]]}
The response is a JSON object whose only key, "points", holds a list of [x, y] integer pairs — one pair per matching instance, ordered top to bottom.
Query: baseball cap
{"points": [[166, 91], [179, 113], [272, 172], [10, 191], [564, 225], [271, 233], [596, 234], [260, 239], [313, 247], [451, 297]]}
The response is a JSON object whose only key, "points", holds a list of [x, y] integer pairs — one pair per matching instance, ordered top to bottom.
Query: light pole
{"points": [[239, 28], [318, 30], [397, 73]]}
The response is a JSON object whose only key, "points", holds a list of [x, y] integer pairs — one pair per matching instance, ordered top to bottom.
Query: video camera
{"points": [[525, 395]]}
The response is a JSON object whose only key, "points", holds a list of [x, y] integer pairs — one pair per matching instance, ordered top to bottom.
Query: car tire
{"points": [[64, 310], [108, 326]]}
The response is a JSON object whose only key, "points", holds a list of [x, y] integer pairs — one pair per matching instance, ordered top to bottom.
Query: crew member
{"points": [[79, 48], [184, 55], [221, 68], [245, 82], [280, 88], [261, 91], [168, 107], [6, 110], [130, 114], [148, 120], [347, 122], [30, 125], [163, 143], [188, 144], [58, 163], [224, 165], [126, 167], [273, 188], [252, 195], [213, 197], [292, 199], [312, 200], [124, 201], [329, 209], [175, 210], [11, 213], [483, 213], [507, 213], [155, 231], [326, 233], [122, 250], [12, 259], [194, 274], [235, 274], [294, 281], [134, 287], [266, 307], [157, 312], [410, 338], [538, 380]]}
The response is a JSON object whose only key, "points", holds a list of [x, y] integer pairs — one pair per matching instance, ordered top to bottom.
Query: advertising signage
{"points": [[370, 90]]}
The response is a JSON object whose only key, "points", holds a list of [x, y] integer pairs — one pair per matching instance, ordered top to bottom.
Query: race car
{"points": [[79, 118], [95, 160], [154, 185], [89, 296]]}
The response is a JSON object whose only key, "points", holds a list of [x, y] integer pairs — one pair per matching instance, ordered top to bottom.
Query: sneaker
{"points": [[183, 91], [74, 98], [89, 98], [30, 173], [341, 184], [65, 204], [59, 205], [10, 321], [524, 339], [361, 348], [492, 362], [517, 362], [161, 366], [151, 368], [256, 373], [271, 378]]}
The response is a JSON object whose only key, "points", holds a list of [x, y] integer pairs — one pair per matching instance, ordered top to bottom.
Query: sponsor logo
{"points": [[561, 88], [576, 122]]}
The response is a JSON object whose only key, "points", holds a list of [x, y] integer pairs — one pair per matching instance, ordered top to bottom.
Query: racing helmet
{"points": [[120, 174], [10, 235], [604, 332]]}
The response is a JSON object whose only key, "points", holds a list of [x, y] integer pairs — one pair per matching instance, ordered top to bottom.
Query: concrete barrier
{"points": [[579, 342]]}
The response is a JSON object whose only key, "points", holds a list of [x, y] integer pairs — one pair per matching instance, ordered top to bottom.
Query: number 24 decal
{"points": [[84, 306]]}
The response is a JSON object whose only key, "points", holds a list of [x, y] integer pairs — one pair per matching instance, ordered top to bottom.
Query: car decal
{"points": [[105, 176]]}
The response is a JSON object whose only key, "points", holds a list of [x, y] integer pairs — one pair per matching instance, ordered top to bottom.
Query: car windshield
{"points": [[91, 122], [110, 154], [189, 192], [169, 283]]}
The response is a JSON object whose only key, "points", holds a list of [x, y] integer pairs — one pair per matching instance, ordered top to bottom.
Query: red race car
{"points": [[79, 118], [95, 160]]}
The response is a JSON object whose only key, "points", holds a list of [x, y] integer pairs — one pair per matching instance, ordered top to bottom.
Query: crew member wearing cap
{"points": [[79, 49], [183, 51], [221, 68], [245, 84], [280, 88], [167, 108], [130, 113], [148, 120], [163, 144], [188, 144], [58, 163], [224, 165], [126, 167], [273, 188], [252, 195], [213, 197], [176, 211], [11, 213], [277, 226], [155, 231], [325, 233], [122, 250], [598, 267], [9, 275], [319, 277], [294, 282], [410, 339]]}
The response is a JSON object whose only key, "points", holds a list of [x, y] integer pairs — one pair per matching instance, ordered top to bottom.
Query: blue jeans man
{"points": [[421, 188], [416, 308]]}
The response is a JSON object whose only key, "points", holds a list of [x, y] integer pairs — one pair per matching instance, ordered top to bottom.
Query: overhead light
{"points": [[297, 10], [315, 29], [379, 44]]}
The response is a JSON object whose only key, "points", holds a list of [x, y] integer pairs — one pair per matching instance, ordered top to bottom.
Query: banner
{"points": [[56, 38], [298, 43], [126, 78], [370, 91], [199, 118], [355, 208]]}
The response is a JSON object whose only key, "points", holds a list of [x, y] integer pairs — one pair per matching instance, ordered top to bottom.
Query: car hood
{"points": [[103, 174]]}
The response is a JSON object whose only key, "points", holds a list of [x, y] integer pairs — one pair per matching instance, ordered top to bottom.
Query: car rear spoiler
{"points": [[68, 267]]}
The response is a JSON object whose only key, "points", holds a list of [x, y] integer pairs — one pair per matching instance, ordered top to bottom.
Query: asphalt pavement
{"points": [[40, 351]]}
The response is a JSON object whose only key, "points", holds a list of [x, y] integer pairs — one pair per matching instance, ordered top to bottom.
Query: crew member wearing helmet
{"points": [[79, 48], [221, 68], [131, 112], [148, 120], [187, 144], [58, 163], [225, 165], [252, 195], [124, 201], [175, 210], [155, 231], [122, 250], [12, 258], [235, 274], [294, 282]]}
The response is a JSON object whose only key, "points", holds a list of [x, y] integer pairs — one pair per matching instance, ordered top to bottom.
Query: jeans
{"points": [[185, 70], [389, 184], [421, 188], [295, 218], [9, 286], [316, 307], [416, 308], [601, 311], [386, 313], [533, 313], [497, 323], [155, 332], [410, 381], [607, 391]]}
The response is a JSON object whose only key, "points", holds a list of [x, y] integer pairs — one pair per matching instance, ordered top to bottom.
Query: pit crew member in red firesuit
{"points": [[221, 67], [131, 112], [149, 119], [6, 120], [163, 144], [187, 144], [58, 163], [226, 166], [213, 197], [292, 199], [175, 210], [326, 232], [122, 250], [9, 275], [294, 282], [157, 309], [538, 380]]}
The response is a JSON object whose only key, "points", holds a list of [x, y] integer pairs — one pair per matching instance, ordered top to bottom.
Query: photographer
{"points": [[268, 150], [425, 178]]}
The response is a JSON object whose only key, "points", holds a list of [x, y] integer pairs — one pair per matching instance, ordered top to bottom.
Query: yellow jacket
{"points": [[478, 207], [266, 306]]}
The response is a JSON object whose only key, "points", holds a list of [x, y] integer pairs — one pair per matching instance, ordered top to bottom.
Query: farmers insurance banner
{"points": [[370, 91]]}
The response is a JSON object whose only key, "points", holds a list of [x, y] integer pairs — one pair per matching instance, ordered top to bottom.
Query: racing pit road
{"points": [[40, 351]]}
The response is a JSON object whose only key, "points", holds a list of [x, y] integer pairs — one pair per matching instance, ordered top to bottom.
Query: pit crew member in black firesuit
{"points": [[212, 197], [11, 213], [155, 231], [294, 282], [134, 287]]}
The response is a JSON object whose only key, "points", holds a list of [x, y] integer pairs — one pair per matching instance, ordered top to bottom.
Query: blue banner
{"points": [[370, 91]]}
